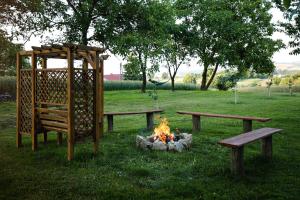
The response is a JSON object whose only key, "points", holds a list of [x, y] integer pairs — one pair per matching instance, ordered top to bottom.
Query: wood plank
{"points": [[51, 104], [133, 112], [63, 113], [53, 117], [260, 119], [196, 123], [54, 124], [50, 128], [245, 138]]}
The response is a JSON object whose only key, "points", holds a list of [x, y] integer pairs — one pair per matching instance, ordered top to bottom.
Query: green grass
{"points": [[121, 171]]}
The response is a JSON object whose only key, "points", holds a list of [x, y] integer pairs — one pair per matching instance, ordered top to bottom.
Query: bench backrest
{"points": [[260, 119], [248, 137]]}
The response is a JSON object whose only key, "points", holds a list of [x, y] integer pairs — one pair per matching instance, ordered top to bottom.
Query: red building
{"points": [[113, 77]]}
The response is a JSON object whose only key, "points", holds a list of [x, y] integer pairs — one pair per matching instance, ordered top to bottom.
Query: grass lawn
{"points": [[121, 171]]}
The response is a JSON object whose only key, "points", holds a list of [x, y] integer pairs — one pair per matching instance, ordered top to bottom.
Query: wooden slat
{"points": [[51, 104], [59, 112], [133, 113], [53, 117], [260, 119], [53, 124], [50, 128], [251, 136]]}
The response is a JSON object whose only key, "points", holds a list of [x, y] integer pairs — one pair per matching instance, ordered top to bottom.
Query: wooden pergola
{"points": [[65, 100]]}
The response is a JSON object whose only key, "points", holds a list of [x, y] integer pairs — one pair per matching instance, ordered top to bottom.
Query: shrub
{"points": [[190, 78], [226, 81]]}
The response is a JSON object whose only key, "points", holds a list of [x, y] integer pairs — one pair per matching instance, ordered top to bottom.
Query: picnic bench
{"points": [[149, 117], [247, 121], [237, 144]]}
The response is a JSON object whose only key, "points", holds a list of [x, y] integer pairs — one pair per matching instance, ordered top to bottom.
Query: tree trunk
{"points": [[212, 76], [204, 77], [173, 83], [143, 89]]}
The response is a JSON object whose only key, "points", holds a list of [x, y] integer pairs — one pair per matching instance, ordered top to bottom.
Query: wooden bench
{"points": [[149, 115], [247, 121], [237, 144]]}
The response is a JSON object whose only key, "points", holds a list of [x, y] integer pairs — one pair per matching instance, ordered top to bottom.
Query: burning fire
{"points": [[162, 132]]}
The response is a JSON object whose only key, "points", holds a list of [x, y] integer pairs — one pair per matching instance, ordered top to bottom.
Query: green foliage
{"points": [[291, 9], [232, 34], [8, 51], [132, 69], [190, 78], [227, 80], [276, 80], [8, 85]]}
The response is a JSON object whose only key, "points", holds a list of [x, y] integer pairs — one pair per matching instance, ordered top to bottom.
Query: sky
{"points": [[282, 59]]}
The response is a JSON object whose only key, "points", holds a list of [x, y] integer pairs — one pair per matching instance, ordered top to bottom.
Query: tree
{"points": [[291, 9], [80, 21], [229, 34], [144, 36], [8, 52], [175, 53], [132, 69]]}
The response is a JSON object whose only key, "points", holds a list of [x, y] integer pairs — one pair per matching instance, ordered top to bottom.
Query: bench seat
{"points": [[149, 116], [247, 120], [246, 138], [237, 143]]}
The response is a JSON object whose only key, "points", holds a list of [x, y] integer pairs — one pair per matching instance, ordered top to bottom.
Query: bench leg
{"points": [[110, 121], [150, 123], [196, 123], [247, 125], [45, 137], [59, 138], [266, 147], [237, 163]]}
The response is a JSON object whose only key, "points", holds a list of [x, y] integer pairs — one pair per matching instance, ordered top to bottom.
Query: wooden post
{"points": [[44, 76], [70, 87], [101, 97], [98, 103], [33, 110], [150, 120], [110, 123], [196, 123], [247, 125], [18, 134], [59, 138], [266, 147], [237, 164]]}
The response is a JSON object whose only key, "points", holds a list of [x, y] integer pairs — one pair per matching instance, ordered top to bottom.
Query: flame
{"points": [[162, 132]]}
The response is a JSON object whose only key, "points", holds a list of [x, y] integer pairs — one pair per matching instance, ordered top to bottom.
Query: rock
{"points": [[186, 140], [143, 143], [158, 145], [171, 146], [178, 146]]}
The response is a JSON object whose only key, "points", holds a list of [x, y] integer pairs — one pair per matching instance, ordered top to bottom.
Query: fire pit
{"points": [[162, 139]]}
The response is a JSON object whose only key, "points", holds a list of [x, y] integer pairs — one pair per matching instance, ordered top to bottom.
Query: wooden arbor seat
{"points": [[149, 116], [247, 120], [237, 144]]}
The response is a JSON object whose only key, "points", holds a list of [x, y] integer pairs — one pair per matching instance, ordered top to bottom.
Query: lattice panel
{"points": [[51, 86], [85, 87], [25, 101]]}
